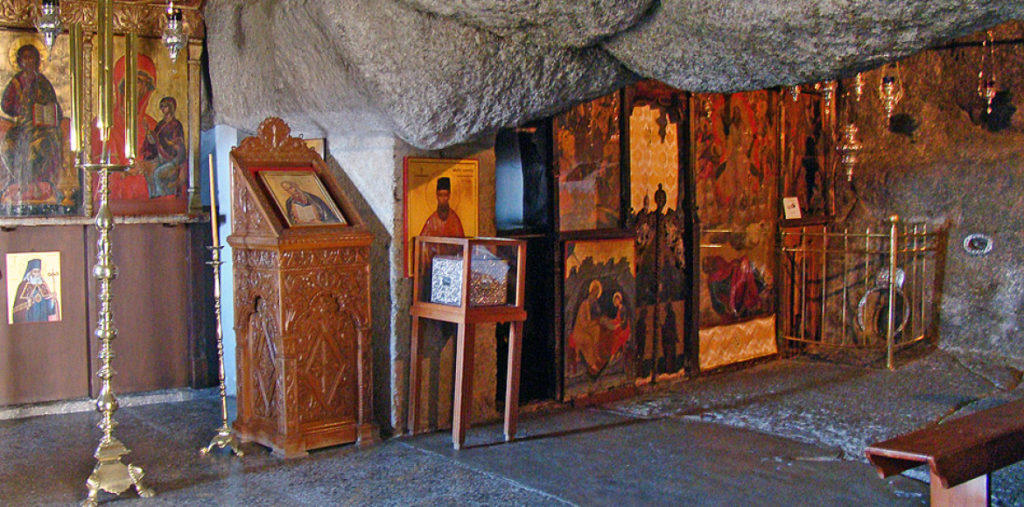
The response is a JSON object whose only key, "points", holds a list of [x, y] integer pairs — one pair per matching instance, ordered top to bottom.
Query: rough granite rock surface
{"points": [[545, 22], [730, 45], [437, 73], [435, 81], [962, 176]]}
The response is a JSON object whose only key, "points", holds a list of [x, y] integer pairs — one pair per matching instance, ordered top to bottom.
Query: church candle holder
{"points": [[224, 437], [109, 474]]}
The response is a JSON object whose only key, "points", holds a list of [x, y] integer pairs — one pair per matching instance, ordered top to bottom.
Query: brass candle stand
{"points": [[225, 437], [109, 474]]}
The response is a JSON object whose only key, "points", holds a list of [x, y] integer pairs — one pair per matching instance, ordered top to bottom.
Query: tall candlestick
{"points": [[105, 26], [110, 473]]}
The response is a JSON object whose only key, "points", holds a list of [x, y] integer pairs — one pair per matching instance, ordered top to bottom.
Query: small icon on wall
{"points": [[33, 287]]}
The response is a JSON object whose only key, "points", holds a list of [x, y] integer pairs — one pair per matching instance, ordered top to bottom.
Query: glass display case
{"points": [[492, 271]]}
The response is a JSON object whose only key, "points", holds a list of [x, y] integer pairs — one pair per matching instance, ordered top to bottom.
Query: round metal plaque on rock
{"points": [[978, 244]]}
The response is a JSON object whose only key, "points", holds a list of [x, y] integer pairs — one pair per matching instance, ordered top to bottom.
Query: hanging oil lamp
{"points": [[48, 22], [174, 37], [987, 83], [858, 86], [890, 88], [794, 92], [828, 93], [849, 148]]}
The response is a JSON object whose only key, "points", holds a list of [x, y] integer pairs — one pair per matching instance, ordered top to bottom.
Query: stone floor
{"points": [[789, 432]]}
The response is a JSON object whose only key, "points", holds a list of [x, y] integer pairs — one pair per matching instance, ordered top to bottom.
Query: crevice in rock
{"points": [[1004, 377], [1001, 386]]}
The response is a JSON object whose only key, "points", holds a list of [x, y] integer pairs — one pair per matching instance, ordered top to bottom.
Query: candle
{"points": [[105, 26], [77, 72], [131, 94], [213, 204]]}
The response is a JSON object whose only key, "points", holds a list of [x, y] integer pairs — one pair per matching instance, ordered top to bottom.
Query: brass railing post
{"points": [[890, 332]]}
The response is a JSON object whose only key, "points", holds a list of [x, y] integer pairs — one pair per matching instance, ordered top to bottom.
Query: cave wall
{"points": [[438, 73], [946, 161]]}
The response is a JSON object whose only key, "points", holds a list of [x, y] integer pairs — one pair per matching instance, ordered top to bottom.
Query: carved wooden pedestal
{"points": [[302, 307]]}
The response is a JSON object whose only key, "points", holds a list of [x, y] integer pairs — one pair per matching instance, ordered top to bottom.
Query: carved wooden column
{"points": [[195, 94]]}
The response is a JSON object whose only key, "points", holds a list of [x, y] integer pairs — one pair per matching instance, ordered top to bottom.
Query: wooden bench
{"points": [[960, 454]]}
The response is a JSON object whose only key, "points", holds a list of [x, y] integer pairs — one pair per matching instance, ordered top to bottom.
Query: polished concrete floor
{"points": [[788, 432]]}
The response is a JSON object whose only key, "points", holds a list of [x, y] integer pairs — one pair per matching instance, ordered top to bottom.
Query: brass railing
{"points": [[835, 286]]}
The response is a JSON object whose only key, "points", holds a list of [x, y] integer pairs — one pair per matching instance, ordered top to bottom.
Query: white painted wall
{"points": [[369, 161], [372, 162]]}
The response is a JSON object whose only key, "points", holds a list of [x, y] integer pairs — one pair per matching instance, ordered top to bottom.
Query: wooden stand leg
{"points": [[515, 349], [414, 375], [461, 409], [971, 493]]}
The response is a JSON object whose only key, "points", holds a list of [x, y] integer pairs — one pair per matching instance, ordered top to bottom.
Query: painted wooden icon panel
{"points": [[655, 120], [586, 152], [736, 160], [736, 165], [803, 170], [37, 173], [158, 181], [301, 198], [441, 199], [737, 282], [33, 287], [598, 308]]}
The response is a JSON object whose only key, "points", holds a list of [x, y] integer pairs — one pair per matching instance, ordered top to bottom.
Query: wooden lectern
{"points": [[302, 299]]}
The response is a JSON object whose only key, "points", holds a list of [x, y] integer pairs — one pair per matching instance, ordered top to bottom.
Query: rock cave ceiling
{"points": [[439, 72]]}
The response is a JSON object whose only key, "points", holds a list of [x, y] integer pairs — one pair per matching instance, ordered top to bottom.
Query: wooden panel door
{"points": [[150, 304]]}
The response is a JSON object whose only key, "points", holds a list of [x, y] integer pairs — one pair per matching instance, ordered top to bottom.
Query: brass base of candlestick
{"points": [[224, 438], [111, 475]]}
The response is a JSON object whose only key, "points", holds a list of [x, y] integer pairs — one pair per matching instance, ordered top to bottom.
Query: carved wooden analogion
{"points": [[302, 308]]}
